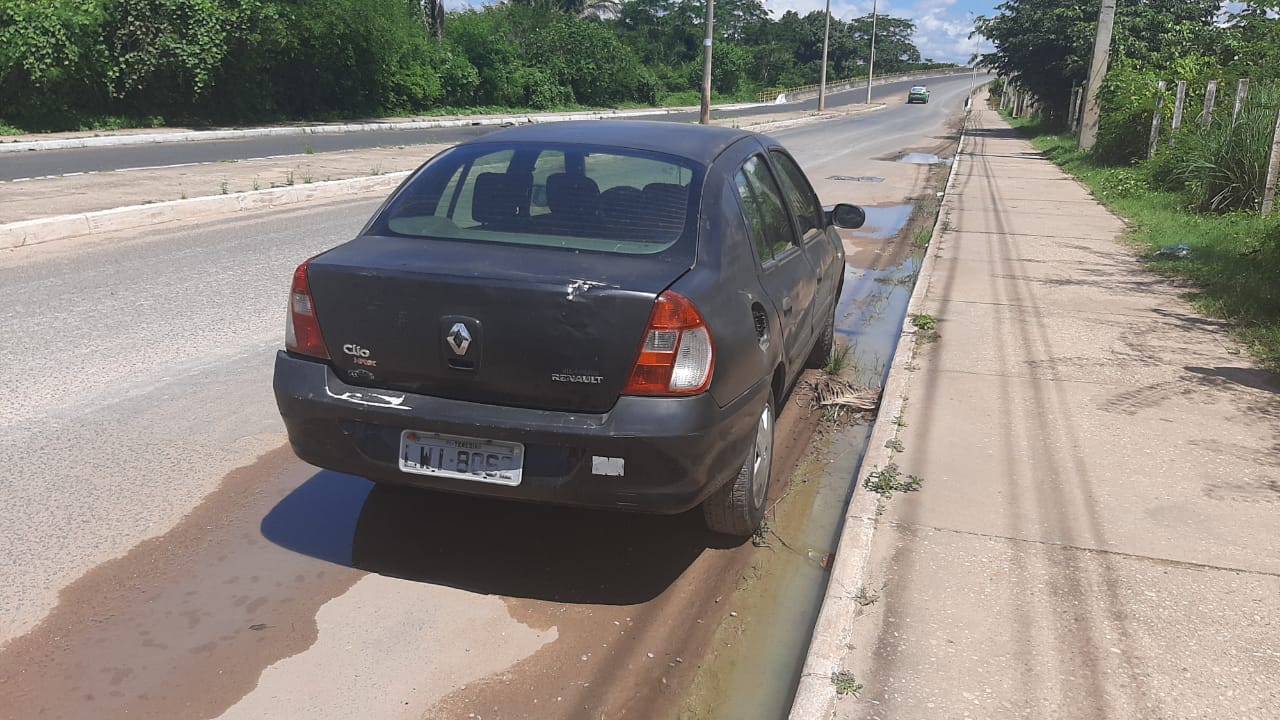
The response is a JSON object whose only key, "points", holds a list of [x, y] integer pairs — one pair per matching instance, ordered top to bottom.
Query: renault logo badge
{"points": [[459, 339]]}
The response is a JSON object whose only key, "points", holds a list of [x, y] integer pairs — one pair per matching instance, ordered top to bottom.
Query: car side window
{"points": [[804, 203], [767, 219]]}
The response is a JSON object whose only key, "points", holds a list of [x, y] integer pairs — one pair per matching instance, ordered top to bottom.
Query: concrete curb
{"points": [[796, 122], [203, 135], [130, 217], [816, 697]]}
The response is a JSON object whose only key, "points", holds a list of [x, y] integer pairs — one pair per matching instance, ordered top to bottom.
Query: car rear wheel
{"points": [[738, 508]]}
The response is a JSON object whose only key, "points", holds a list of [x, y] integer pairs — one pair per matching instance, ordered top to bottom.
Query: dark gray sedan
{"points": [[602, 314]]}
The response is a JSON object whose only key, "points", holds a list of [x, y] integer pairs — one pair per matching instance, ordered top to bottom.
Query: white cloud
{"points": [[942, 30], [942, 33]]}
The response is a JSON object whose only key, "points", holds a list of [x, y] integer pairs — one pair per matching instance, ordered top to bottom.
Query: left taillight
{"points": [[302, 328], [677, 355]]}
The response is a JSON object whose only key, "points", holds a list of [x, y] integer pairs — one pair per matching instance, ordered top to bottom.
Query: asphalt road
{"points": [[59, 162], [136, 381]]}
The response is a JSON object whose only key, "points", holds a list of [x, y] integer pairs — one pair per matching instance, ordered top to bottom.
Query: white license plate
{"points": [[463, 458]]}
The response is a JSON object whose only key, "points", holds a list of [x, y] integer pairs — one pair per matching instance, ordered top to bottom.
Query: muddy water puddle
{"points": [[919, 158], [885, 222], [761, 653]]}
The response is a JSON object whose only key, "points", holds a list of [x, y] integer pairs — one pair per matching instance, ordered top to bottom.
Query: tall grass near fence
{"points": [[1222, 167], [1232, 263]]}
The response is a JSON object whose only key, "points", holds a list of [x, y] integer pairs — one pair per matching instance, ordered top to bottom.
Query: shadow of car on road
{"points": [[489, 546]]}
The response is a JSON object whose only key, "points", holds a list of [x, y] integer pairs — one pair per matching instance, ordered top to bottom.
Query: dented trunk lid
{"points": [[503, 324]]}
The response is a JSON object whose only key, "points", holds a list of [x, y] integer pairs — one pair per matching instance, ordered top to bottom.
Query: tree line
{"points": [[1046, 45], [87, 63]]}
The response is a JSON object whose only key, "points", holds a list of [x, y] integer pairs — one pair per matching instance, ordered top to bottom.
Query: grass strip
{"points": [[1232, 261]]}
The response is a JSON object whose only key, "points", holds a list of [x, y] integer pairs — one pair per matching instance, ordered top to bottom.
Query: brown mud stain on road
{"points": [[183, 625], [631, 636]]}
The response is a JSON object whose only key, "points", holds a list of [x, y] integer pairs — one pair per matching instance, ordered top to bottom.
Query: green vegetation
{"points": [[1045, 46], [100, 64], [1193, 203], [920, 238], [1233, 259], [924, 322], [838, 361], [887, 481], [845, 683]]}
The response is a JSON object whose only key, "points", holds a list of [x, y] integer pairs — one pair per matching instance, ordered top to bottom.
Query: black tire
{"points": [[825, 344], [737, 509]]}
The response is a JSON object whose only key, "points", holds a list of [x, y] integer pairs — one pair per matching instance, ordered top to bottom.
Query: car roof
{"points": [[700, 143]]}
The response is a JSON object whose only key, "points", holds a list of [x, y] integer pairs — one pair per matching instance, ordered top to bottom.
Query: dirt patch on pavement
{"points": [[144, 637], [633, 660]]}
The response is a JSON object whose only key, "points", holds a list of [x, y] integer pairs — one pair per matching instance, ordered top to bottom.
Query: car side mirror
{"points": [[850, 217]]}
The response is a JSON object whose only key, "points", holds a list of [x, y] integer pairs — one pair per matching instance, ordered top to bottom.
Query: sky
{"points": [[942, 26]]}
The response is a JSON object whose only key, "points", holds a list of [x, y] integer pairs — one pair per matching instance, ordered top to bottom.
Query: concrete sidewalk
{"points": [[1098, 532]]}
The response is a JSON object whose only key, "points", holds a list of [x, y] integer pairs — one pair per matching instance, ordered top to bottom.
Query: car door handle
{"points": [[786, 306]]}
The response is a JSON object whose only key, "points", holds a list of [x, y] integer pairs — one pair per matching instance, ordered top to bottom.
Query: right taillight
{"points": [[302, 328], [677, 355]]}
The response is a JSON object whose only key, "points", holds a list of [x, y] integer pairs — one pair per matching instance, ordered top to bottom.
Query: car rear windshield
{"points": [[917, 89], [582, 197]]}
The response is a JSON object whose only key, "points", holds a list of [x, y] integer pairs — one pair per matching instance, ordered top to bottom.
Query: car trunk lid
{"points": [[504, 324]]}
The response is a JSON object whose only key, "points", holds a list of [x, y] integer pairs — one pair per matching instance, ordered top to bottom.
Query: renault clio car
{"points": [[599, 314]]}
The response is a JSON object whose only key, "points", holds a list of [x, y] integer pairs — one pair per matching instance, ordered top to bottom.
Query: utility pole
{"points": [[977, 45], [871, 62], [1097, 70], [822, 82], [705, 117]]}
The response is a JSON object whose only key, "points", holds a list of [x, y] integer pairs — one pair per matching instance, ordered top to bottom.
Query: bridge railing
{"points": [[804, 92]]}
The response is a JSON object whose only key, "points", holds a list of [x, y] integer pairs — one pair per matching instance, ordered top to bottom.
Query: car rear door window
{"points": [[804, 203], [767, 219]]}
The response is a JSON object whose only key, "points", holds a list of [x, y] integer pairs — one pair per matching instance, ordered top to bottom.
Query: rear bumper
{"points": [[674, 451]]}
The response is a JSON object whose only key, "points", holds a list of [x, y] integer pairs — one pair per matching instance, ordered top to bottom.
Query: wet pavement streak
{"points": [[787, 579]]}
